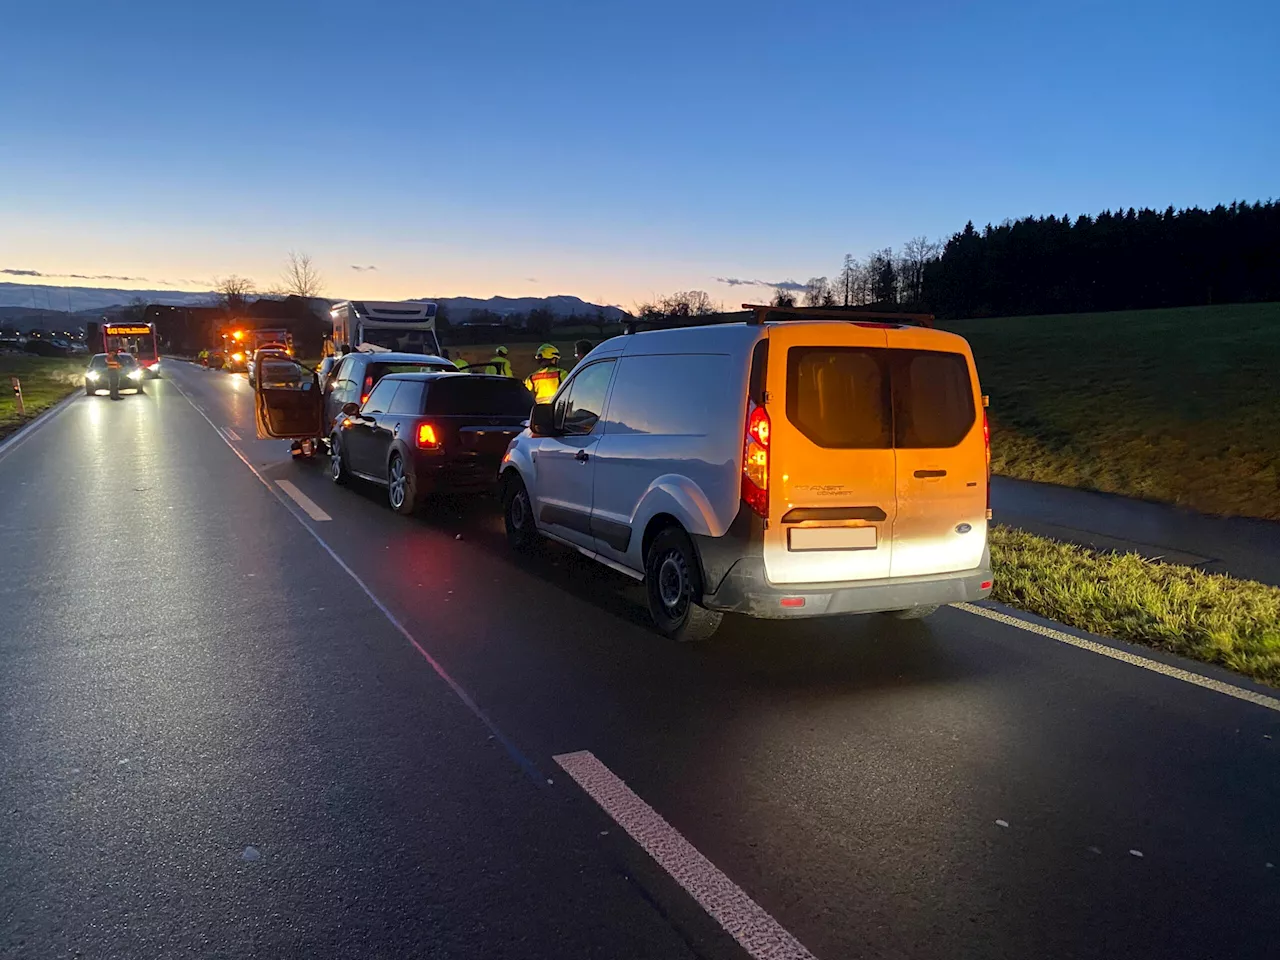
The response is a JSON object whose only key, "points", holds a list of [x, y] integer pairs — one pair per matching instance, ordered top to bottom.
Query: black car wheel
{"points": [[88, 390], [338, 471], [400, 487], [517, 514], [673, 582]]}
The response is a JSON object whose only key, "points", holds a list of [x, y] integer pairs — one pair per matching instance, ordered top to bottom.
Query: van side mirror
{"points": [[351, 409], [542, 420]]}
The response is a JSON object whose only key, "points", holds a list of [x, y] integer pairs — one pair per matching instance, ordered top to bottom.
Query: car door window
{"points": [[381, 397], [579, 410]]}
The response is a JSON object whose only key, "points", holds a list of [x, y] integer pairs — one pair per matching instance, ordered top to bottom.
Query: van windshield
{"points": [[401, 341], [876, 398]]}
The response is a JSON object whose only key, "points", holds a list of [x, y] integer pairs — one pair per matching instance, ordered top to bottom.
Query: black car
{"points": [[354, 376], [97, 377], [422, 433]]}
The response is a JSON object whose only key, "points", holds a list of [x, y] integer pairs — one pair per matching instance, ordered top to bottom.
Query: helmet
{"points": [[501, 351], [547, 352]]}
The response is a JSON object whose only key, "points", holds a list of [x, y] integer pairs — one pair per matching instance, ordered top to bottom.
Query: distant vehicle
{"points": [[397, 327], [138, 339], [44, 347], [267, 350], [97, 376], [354, 376], [424, 433], [823, 463]]}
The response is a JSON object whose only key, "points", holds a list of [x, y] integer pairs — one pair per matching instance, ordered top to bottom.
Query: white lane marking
{"points": [[231, 434], [302, 500], [1155, 666], [468, 701], [727, 903]]}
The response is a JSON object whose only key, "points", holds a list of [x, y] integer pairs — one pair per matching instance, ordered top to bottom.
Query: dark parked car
{"points": [[356, 374], [97, 377], [422, 433]]}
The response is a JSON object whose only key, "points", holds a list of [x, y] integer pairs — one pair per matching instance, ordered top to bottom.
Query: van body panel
{"points": [[819, 373], [666, 447]]}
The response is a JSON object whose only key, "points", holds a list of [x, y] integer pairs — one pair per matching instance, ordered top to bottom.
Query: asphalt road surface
{"points": [[245, 720]]}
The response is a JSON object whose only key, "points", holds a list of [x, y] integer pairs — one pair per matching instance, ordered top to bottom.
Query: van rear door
{"points": [[941, 452], [832, 483]]}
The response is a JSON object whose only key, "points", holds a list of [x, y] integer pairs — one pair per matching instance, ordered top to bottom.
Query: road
{"points": [[1239, 546], [233, 729]]}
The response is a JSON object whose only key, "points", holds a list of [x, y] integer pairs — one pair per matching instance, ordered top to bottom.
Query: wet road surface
{"points": [[217, 743]]}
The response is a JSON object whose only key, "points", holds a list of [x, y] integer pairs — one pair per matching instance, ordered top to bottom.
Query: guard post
{"points": [[17, 396]]}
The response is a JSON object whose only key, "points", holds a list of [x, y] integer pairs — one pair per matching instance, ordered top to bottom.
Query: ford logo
{"points": [[963, 528]]}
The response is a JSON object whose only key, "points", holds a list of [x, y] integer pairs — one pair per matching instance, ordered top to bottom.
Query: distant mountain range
{"points": [[23, 300]]}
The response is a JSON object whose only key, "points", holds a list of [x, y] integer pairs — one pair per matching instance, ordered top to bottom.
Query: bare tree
{"points": [[917, 254], [884, 276], [300, 277], [847, 281], [233, 291], [817, 291], [783, 297], [686, 303]]}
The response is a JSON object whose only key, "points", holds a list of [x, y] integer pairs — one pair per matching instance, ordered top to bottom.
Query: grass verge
{"points": [[45, 381], [1178, 405], [1207, 617]]}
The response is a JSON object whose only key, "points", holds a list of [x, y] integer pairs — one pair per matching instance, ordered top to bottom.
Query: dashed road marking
{"points": [[301, 499], [1155, 666], [727, 903]]}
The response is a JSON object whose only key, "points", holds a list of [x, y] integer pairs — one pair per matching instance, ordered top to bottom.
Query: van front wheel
{"points": [[673, 582]]}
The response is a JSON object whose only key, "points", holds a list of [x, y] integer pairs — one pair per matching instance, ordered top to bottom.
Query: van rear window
{"points": [[876, 398]]}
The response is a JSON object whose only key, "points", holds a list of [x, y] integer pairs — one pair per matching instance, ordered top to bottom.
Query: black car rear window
{"points": [[380, 370], [471, 396], [876, 398]]}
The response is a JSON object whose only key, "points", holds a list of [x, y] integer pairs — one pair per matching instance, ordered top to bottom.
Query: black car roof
{"points": [[440, 374]]}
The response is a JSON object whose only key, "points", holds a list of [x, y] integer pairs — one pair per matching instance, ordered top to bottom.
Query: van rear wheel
{"points": [[517, 515], [673, 582], [914, 613]]}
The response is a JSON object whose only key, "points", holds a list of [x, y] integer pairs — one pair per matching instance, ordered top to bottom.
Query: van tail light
{"points": [[428, 438], [986, 442], [755, 461]]}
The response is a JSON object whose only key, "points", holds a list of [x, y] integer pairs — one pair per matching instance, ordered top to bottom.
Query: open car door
{"points": [[287, 401]]}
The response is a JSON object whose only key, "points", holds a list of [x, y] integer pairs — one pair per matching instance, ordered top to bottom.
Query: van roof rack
{"points": [[762, 312]]}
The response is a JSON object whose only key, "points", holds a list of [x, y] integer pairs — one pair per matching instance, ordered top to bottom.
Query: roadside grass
{"points": [[45, 381], [1181, 405], [1207, 617]]}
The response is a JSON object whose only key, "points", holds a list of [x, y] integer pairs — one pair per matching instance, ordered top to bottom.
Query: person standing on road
{"points": [[580, 350], [500, 364], [113, 372], [545, 381]]}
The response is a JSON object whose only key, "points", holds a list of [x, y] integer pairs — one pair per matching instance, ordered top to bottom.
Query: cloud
{"points": [[359, 269], [13, 272], [530, 279], [780, 284]]}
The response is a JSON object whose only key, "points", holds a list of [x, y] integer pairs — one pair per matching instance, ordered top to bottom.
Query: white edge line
{"points": [[29, 429], [231, 434], [313, 509], [1124, 656], [525, 764], [727, 903]]}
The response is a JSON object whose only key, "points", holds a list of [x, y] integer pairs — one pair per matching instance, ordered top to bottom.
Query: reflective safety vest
{"points": [[501, 365], [544, 382]]}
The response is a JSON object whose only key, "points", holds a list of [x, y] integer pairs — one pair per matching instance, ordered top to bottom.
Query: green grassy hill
{"points": [[1180, 405]]}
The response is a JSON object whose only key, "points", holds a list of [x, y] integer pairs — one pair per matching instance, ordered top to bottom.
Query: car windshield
{"points": [[478, 397]]}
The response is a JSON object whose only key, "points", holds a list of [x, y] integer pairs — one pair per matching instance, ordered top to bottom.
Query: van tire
{"points": [[517, 515], [673, 582], [914, 613]]}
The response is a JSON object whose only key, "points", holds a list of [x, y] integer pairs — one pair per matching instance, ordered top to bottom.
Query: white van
{"points": [[777, 468]]}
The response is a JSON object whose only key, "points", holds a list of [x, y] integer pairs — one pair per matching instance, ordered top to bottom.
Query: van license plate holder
{"points": [[807, 539]]}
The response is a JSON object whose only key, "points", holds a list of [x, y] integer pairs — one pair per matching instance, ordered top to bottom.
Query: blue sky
{"points": [[610, 151]]}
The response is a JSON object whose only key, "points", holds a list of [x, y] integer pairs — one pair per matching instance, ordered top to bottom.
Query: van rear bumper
{"points": [[746, 590]]}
